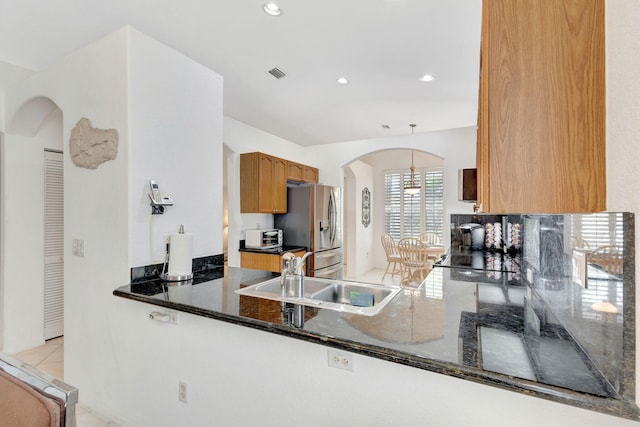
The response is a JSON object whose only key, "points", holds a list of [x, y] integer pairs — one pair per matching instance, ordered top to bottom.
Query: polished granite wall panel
{"points": [[200, 266], [587, 291]]}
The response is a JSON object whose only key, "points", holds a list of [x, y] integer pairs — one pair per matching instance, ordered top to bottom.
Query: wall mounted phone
{"points": [[158, 201]]}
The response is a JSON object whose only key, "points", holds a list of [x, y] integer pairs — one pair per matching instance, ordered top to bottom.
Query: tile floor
{"points": [[375, 276], [49, 358]]}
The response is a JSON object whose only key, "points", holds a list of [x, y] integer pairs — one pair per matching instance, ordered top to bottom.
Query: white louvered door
{"points": [[53, 246]]}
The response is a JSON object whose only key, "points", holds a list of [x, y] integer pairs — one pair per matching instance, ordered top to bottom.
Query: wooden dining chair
{"points": [[431, 239], [393, 258], [608, 258], [415, 260]]}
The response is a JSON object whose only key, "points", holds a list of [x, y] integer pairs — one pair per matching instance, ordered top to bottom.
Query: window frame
{"points": [[430, 211]]}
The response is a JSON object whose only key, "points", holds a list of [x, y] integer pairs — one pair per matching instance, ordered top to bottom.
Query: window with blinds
{"points": [[408, 215], [598, 229], [595, 231]]}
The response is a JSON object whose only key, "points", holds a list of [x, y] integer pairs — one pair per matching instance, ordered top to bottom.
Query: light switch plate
{"points": [[77, 248]]}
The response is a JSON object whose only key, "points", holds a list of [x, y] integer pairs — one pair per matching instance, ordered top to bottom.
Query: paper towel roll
{"points": [[180, 252]]}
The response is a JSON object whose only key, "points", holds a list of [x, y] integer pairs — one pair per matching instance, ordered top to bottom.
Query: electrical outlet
{"points": [[340, 360], [182, 391]]}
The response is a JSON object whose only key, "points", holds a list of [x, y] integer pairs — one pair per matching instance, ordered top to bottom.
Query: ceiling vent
{"points": [[278, 74]]}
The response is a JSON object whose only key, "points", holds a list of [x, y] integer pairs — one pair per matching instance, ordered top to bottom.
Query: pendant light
{"points": [[413, 188]]}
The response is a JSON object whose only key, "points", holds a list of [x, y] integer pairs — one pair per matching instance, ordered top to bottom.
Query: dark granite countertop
{"points": [[476, 328]]}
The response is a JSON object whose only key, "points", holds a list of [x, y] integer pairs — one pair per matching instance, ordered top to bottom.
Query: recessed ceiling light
{"points": [[272, 9], [427, 78], [343, 80]]}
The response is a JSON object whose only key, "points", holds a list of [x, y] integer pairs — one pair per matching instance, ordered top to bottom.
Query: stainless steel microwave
{"points": [[263, 239]]}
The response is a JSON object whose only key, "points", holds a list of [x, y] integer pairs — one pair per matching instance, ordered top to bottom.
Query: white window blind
{"points": [[408, 216], [599, 229], [53, 246]]}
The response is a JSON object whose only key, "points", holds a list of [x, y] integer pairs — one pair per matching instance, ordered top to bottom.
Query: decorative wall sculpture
{"points": [[90, 147], [366, 207]]}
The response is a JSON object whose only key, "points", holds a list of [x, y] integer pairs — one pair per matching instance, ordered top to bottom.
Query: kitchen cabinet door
{"points": [[541, 122], [295, 172], [302, 173], [310, 174], [263, 183], [279, 185], [265, 261]]}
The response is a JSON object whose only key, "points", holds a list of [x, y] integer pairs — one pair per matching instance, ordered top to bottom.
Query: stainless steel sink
{"points": [[272, 287], [343, 293], [338, 295]]}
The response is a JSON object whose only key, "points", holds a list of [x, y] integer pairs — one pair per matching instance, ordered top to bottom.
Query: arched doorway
{"points": [[34, 134], [365, 252]]}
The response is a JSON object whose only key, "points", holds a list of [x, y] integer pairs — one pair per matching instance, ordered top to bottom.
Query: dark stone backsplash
{"points": [[200, 266], [569, 279]]}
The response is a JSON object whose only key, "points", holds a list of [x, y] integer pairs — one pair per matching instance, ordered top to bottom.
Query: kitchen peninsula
{"points": [[477, 324]]}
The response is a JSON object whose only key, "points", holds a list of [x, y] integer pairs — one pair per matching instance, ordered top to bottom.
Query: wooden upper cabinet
{"points": [[541, 120], [295, 171], [302, 173], [310, 174], [263, 183], [279, 189]]}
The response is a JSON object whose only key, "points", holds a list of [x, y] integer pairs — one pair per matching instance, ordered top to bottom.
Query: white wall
{"points": [[9, 75], [92, 83], [175, 107], [623, 123], [242, 138], [177, 139], [455, 146], [389, 160], [23, 173], [23, 233], [360, 239], [128, 367], [238, 376]]}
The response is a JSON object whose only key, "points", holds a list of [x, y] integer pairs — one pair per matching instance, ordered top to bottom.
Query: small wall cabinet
{"points": [[541, 117], [302, 173], [263, 182]]}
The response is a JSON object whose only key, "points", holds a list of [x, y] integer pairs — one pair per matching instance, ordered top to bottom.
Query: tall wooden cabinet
{"points": [[541, 131], [263, 183]]}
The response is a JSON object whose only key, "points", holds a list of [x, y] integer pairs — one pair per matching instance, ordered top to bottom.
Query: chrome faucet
{"points": [[292, 267], [292, 284]]}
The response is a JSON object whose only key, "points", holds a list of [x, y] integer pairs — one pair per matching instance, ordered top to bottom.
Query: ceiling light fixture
{"points": [[272, 9], [427, 78], [343, 80], [413, 188]]}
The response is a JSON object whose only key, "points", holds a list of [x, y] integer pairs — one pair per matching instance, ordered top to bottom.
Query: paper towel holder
{"points": [[159, 202], [173, 278]]}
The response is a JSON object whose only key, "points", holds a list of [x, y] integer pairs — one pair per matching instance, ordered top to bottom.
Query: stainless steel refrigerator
{"points": [[314, 220]]}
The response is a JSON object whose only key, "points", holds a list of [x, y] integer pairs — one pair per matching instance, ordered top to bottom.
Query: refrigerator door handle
{"points": [[332, 219], [327, 254], [327, 273]]}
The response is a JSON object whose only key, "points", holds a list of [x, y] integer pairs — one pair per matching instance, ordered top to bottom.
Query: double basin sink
{"points": [[338, 295]]}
